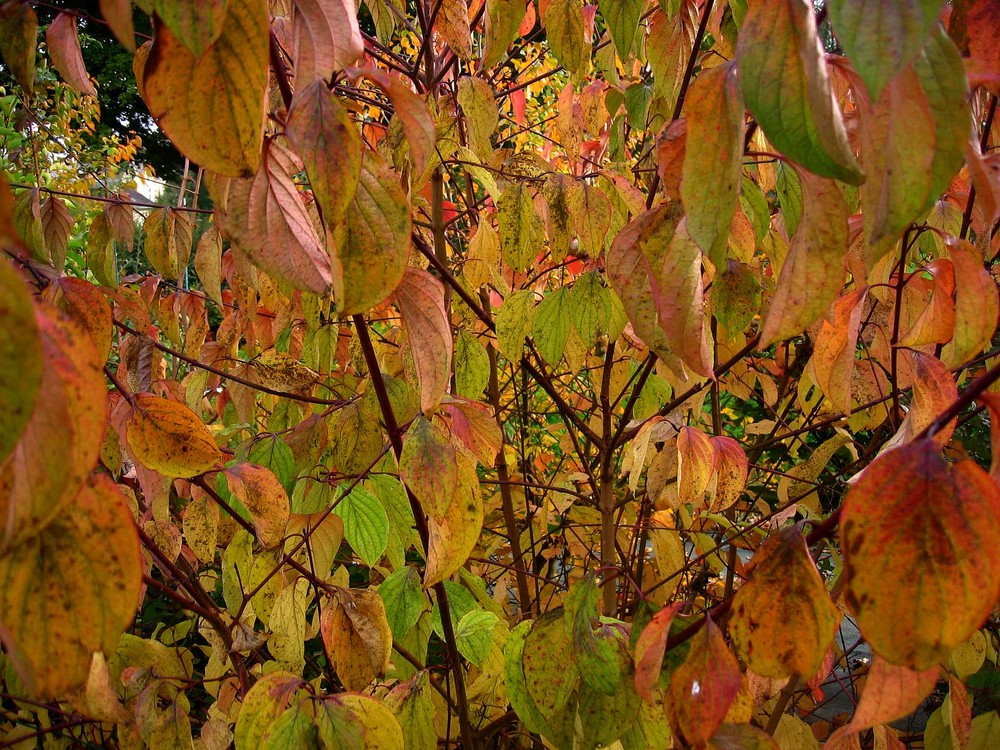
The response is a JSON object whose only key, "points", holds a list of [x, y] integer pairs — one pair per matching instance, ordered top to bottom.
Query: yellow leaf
{"points": [[212, 106], [20, 358], [168, 437], [262, 494], [453, 536], [70, 590], [783, 619], [287, 622], [357, 636]]}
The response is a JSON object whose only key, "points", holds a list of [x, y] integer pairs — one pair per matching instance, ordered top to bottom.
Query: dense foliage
{"points": [[501, 373]]}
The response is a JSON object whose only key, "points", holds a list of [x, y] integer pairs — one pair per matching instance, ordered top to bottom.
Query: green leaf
{"points": [[503, 17], [622, 17], [883, 37], [18, 42], [782, 69], [713, 158], [552, 325], [472, 365], [273, 453], [366, 526], [403, 596], [474, 635], [597, 657], [517, 689]]}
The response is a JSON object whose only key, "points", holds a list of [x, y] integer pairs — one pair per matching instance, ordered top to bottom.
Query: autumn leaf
{"points": [[327, 39], [18, 42], [63, 42], [783, 73], [212, 105], [420, 298], [21, 359], [168, 437], [429, 466], [263, 496], [916, 552], [70, 590], [783, 620], [357, 636], [649, 652], [703, 687]]}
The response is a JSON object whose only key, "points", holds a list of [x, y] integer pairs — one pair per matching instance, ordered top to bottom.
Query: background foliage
{"points": [[492, 373]]}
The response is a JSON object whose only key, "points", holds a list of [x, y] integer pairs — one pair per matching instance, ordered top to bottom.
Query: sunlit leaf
{"points": [[327, 38], [782, 69], [212, 105], [922, 575], [783, 619]]}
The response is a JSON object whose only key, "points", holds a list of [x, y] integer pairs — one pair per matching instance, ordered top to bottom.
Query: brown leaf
{"points": [[64, 49], [357, 636]]}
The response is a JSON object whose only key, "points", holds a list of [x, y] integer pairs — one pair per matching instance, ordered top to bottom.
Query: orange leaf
{"points": [[977, 304], [833, 356], [695, 463], [731, 470], [262, 494], [922, 568], [783, 620], [649, 651], [703, 687]]}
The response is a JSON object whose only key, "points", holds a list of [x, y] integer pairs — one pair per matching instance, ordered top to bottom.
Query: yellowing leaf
{"points": [[502, 20], [563, 22], [196, 24], [453, 26], [882, 38], [327, 39], [18, 42], [64, 49], [782, 69], [212, 106], [413, 115], [321, 131], [713, 158], [266, 218], [520, 226], [168, 241], [375, 241], [208, 263], [813, 273], [420, 298], [679, 298], [977, 305], [515, 320], [833, 357], [20, 358], [65, 430], [167, 437], [695, 463], [428, 466], [731, 470], [262, 494], [322, 533], [453, 536], [922, 573], [70, 590], [783, 620], [287, 622], [357, 636], [703, 687], [890, 693], [266, 700], [411, 703], [360, 714]]}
